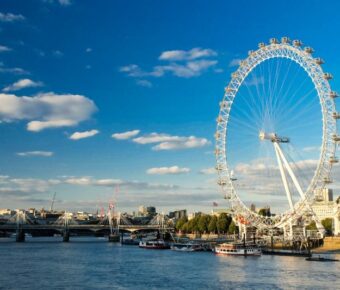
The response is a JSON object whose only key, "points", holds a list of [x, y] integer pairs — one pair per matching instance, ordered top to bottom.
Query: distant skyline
{"points": [[118, 100]]}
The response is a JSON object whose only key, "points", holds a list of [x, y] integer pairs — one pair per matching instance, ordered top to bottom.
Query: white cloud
{"points": [[10, 17], [4, 48], [89, 49], [57, 53], [176, 55], [235, 62], [184, 64], [14, 70], [186, 70], [144, 83], [21, 84], [47, 110], [82, 135], [125, 135], [168, 142], [36, 153], [167, 170], [208, 171]]}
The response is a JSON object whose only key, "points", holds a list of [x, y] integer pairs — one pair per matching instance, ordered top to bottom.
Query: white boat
{"points": [[154, 244], [186, 247], [237, 249]]}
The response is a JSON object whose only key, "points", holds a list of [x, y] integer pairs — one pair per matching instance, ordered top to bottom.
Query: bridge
{"points": [[20, 223]]}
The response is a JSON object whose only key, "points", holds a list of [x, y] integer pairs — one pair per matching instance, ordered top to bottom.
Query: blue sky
{"points": [[102, 68]]}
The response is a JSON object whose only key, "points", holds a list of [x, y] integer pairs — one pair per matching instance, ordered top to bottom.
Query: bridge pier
{"points": [[20, 235], [66, 236], [114, 238]]}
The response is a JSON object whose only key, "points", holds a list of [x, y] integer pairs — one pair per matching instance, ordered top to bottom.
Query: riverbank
{"points": [[330, 245]]}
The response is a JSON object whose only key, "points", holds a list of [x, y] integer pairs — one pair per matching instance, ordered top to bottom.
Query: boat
{"points": [[154, 244], [186, 247], [237, 249], [283, 252], [321, 259]]}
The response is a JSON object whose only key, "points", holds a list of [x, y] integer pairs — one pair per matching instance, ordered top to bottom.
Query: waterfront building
{"points": [[325, 207]]}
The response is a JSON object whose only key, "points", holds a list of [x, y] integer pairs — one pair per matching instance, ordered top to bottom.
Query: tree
{"points": [[265, 211], [180, 223], [203, 223], [223, 223], [328, 225], [311, 226], [212, 227], [232, 228]]}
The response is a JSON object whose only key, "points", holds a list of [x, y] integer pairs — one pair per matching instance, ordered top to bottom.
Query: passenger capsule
{"points": [[285, 40], [273, 41], [297, 43], [261, 45], [309, 50], [250, 52], [319, 61], [234, 75], [327, 76], [333, 94], [336, 115], [219, 119], [217, 135], [336, 138], [333, 159], [327, 180], [222, 182]]}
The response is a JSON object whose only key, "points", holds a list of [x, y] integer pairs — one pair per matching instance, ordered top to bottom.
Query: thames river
{"points": [[93, 263]]}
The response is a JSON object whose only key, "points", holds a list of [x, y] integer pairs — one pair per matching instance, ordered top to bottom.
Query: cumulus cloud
{"points": [[10, 17], [4, 48], [197, 52], [235, 62], [181, 63], [21, 84], [47, 110], [82, 135], [125, 135], [169, 142], [36, 153], [167, 170], [208, 171]]}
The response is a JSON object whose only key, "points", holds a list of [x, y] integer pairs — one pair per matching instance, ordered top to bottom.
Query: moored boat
{"points": [[154, 244], [237, 249]]}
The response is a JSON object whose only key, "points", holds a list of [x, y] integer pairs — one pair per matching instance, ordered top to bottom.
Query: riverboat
{"points": [[154, 244], [186, 247], [237, 249]]}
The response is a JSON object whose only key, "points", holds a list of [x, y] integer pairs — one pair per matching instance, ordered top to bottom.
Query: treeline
{"points": [[203, 224]]}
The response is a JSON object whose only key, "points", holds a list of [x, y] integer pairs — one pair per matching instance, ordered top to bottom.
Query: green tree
{"points": [[265, 212], [180, 223], [203, 223], [223, 223], [328, 225], [311, 226], [212, 227], [232, 228]]}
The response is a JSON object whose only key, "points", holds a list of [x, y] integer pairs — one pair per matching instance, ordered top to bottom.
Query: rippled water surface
{"points": [[93, 263]]}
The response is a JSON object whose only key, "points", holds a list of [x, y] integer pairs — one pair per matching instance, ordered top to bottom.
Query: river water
{"points": [[93, 263]]}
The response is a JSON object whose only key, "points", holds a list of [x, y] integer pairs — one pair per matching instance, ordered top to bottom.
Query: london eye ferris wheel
{"points": [[276, 133]]}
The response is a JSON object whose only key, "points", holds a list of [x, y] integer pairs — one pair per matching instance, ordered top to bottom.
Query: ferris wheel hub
{"points": [[273, 137]]}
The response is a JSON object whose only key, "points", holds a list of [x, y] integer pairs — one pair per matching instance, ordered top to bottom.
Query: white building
{"points": [[325, 207]]}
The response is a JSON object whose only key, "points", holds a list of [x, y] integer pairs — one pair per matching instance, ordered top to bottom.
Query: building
{"points": [[325, 207], [146, 210], [178, 214]]}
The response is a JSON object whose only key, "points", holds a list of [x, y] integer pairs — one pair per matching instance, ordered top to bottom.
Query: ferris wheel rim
{"points": [[313, 69]]}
